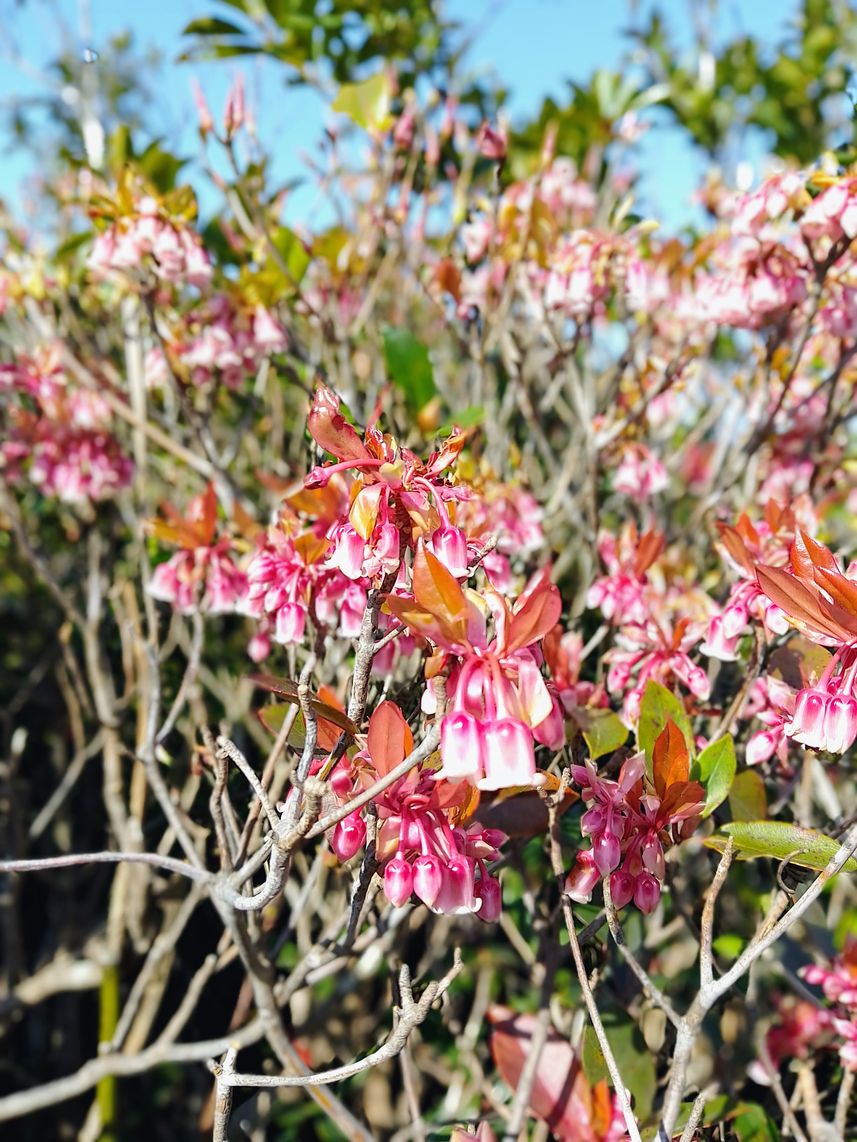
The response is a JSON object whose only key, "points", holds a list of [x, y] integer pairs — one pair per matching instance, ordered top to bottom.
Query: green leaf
{"points": [[212, 27], [367, 103], [292, 252], [408, 366], [467, 418], [656, 709], [603, 731], [714, 769], [747, 798], [779, 840], [728, 946], [592, 1058], [636, 1065], [751, 1124]]}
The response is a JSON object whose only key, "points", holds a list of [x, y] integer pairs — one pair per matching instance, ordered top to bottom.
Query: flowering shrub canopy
{"points": [[540, 517]]}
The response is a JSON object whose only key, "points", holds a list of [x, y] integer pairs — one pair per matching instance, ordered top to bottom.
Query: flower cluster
{"points": [[145, 236], [222, 340], [58, 435], [745, 545], [201, 576], [816, 596], [498, 701], [633, 820], [424, 843], [802, 1027]]}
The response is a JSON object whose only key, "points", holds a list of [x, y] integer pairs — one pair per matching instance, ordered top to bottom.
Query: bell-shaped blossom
{"points": [[202, 575], [630, 822], [423, 852]]}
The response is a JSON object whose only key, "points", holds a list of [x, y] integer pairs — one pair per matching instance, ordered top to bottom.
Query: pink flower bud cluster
{"points": [[752, 213], [833, 214], [149, 239], [581, 274], [754, 286], [227, 341], [58, 435], [640, 474], [508, 514], [768, 540], [202, 578], [284, 584], [620, 595], [726, 628], [654, 650], [564, 656], [772, 702], [825, 714], [487, 734], [629, 829], [422, 852], [838, 982], [800, 1028]]}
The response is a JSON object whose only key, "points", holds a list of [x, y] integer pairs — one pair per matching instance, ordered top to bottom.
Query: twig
{"points": [[189, 677], [226, 748], [77, 860], [706, 957], [583, 979], [649, 987], [709, 993], [413, 1013], [222, 1095], [843, 1102], [696, 1113]]}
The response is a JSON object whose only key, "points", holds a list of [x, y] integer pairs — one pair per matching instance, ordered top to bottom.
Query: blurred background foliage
{"points": [[794, 95]]}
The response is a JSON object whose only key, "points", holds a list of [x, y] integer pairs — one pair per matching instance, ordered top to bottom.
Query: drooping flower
{"points": [[201, 576], [821, 600], [497, 698], [632, 821], [423, 847]]}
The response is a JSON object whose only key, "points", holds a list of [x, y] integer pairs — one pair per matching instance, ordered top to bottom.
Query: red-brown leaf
{"points": [[329, 428], [648, 549], [807, 556], [438, 592], [799, 602], [537, 612], [389, 739], [670, 758], [561, 1095]]}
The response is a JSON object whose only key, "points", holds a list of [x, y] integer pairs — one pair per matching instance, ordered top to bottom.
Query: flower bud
{"points": [[492, 142], [449, 544], [349, 553], [290, 623], [840, 723], [807, 724], [551, 730], [761, 746], [461, 747], [509, 757], [340, 781], [348, 836], [607, 852], [653, 855], [583, 878], [428, 879], [398, 881], [621, 888], [490, 893], [647, 893], [457, 895]]}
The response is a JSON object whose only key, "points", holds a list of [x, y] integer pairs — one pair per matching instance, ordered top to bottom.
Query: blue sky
{"points": [[534, 46]]}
